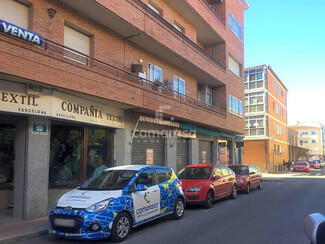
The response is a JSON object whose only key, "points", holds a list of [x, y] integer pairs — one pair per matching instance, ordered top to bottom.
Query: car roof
{"points": [[202, 165], [130, 167]]}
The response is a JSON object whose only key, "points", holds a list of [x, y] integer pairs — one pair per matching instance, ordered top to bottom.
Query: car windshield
{"points": [[311, 162], [301, 163], [239, 170], [195, 173], [109, 180]]}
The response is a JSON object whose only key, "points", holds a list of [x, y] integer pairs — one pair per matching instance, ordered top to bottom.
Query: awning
{"points": [[158, 121], [199, 130], [207, 132]]}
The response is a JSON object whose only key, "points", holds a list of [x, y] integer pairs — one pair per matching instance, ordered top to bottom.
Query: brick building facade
{"points": [[93, 83]]}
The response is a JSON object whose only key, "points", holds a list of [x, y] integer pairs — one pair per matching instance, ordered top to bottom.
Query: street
{"points": [[273, 215]]}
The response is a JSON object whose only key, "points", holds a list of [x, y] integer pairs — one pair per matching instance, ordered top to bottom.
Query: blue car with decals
{"points": [[112, 202]]}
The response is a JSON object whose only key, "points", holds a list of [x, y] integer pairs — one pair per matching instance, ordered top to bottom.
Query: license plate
{"points": [[299, 169], [64, 222]]}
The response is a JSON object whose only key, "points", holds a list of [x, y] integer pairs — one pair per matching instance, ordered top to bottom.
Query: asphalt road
{"points": [[274, 214]]}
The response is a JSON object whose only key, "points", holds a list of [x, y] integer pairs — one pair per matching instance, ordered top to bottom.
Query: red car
{"points": [[314, 164], [301, 166], [247, 176], [204, 183]]}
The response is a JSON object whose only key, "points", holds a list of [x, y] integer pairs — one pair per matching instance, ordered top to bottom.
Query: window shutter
{"points": [[14, 13], [76, 40], [234, 66]]}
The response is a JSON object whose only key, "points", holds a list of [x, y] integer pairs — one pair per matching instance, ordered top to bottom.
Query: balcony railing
{"points": [[222, 21], [189, 41], [92, 62]]}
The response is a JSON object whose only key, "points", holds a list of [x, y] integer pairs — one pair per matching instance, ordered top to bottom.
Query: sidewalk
{"points": [[22, 229]]}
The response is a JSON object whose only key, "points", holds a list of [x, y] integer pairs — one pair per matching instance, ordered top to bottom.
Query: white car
{"points": [[115, 200]]}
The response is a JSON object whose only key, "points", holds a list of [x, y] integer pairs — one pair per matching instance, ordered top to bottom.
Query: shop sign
{"points": [[16, 31], [13, 98], [77, 109], [39, 128], [185, 134], [204, 157], [149, 160]]}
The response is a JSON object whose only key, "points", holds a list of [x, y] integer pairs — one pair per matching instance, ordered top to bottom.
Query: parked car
{"points": [[322, 163], [314, 164], [301, 166], [247, 176], [205, 183], [115, 200], [314, 227]]}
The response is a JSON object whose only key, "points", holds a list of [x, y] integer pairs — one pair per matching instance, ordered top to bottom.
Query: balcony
{"points": [[149, 31], [147, 84]]}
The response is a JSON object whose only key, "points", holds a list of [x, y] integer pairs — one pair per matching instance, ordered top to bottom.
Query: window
{"points": [[154, 7], [14, 13], [234, 26], [179, 27], [77, 41], [234, 66], [155, 73], [254, 79], [179, 85], [277, 90], [209, 95], [255, 102], [235, 106], [278, 109], [255, 126], [273, 126], [278, 129], [313, 132], [303, 133], [313, 141], [65, 155], [7, 156], [98, 156], [224, 171], [163, 175], [146, 178]]}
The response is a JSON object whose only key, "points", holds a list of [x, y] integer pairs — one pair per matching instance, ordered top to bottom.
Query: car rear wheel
{"points": [[259, 185], [248, 188], [233, 194], [208, 199], [178, 209], [121, 227]]}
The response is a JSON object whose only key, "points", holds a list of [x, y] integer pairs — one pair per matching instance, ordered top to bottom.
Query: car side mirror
{"points": [[251, 173], [217, 177], [141, 187], [314, 227]]}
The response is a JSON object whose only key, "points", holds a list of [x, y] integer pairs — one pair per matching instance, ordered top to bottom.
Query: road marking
{"points": [[228, 202]]}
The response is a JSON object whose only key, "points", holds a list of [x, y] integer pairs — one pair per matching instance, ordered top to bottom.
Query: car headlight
{"points": [[240, 181], [194, 189], [100, 206]]}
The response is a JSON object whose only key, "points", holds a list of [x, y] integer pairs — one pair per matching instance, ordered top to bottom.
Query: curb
{"points": [[13, 239]]}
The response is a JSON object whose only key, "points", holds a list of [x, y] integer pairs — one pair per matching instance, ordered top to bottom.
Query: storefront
{"points": [[50, 142], [205, 152], [183, 153]]}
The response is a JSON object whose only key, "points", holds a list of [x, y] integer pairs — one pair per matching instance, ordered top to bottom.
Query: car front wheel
{"points": [[259, 185], [248, 188], [233, 194], [208, 199], [178, 209], [121, 227]]}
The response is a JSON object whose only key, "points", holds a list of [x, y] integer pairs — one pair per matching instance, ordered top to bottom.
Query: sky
{"points": [[289, 35]]}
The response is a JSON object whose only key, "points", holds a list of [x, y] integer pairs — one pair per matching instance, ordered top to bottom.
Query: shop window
{"points": [[14, 13], [98, 151], [65, 155], [7, 156]]}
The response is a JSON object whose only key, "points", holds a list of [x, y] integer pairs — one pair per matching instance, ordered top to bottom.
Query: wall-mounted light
{"points": [[51, 13]]}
